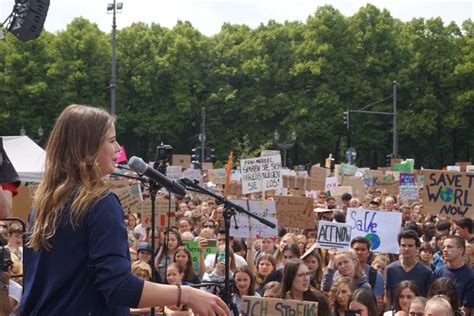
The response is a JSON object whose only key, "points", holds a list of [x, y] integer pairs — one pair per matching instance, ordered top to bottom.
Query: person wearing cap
{"points": [[144, 252]]}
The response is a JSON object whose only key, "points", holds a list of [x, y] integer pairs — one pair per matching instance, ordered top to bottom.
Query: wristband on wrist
{"points": [[179, 294]]}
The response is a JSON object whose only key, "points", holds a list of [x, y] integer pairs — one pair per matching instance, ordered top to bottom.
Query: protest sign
{"points": [[267, 152], [121, 155], [181, 160], [463, 165], [207, 166], [406, 166], [453, 168], [347, 169], [470, 169], [174, 172], [193, 174], [261, 174], [216, 176], [318, 177], [331, 182], [117, 184], [357, 184], [408, 187], [234, 189], [339, 191], [448, 193], [130, 197], [295, 211], [161, 212], [250, 227], [380, 228], [333, 235], [194, 249], [254, 305]]}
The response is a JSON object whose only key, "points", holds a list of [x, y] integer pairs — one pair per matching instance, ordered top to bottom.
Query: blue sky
{"points": [[209, 15]]}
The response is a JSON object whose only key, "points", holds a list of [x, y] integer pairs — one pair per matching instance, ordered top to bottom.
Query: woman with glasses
{"points": [[295, 285]]}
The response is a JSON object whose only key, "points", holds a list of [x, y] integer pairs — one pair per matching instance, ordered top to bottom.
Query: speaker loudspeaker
{"points": [[28, 19]]}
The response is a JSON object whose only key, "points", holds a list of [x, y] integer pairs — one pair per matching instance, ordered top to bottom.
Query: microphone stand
{"points": [[229, 211]]}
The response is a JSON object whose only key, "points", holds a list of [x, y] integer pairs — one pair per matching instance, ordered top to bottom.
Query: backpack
{"points": [[372, 277]]}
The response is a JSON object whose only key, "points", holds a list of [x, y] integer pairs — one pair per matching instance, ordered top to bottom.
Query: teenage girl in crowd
{"points": [[339, 295]]}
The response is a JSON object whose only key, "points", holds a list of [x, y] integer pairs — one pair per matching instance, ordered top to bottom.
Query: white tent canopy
{"points": [[26, 156]]}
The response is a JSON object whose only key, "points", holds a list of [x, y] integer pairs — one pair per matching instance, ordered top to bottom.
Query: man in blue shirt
{"points": [[408, 267], [457, 270]]}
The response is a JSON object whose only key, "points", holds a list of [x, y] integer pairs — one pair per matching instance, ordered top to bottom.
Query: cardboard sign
{"points": [[181, 160], [463, 165], [207, 166], [470, 169], [261, 174], [318, 177], [357, 184], [234, 189], [339, 191], [448, 193], [130, 197], [295, 211], [161, 212], [251, 228], [380, 228], [334, 235], [254, 305]]}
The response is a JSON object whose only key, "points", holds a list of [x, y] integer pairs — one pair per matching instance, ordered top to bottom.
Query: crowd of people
{"points": [[77, 258], [434, 268]]}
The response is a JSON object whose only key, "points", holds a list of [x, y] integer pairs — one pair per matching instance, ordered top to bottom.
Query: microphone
{"points": [[139, 166]]}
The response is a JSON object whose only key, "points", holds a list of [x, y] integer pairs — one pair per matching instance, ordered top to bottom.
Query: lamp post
{"points": [[113, 8], [40, 134], [284, 146]]}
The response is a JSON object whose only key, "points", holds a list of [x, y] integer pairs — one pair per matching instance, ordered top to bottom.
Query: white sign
{"points": [[268, 152], [454, 168], [469, 168], [174, 172], [193, 174], [261, 174], [331, 183], [250, 227], [380, 228], [334, 235]]}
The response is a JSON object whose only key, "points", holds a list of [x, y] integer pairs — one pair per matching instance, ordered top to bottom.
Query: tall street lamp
{"points": [[113, 8], [284, 146]]}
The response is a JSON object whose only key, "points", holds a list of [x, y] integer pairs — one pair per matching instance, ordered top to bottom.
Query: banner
{"points": [[261, 174], [216, 176], [448, 193], [295, 211], [251, 228], [380, 228], [334, 235], [254, 305]]}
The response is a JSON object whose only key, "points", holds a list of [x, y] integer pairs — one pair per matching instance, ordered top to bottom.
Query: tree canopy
{"points": [[252, 82]]}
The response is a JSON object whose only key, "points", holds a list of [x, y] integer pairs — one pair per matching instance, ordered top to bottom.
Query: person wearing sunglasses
{"points": [[295, 285]]}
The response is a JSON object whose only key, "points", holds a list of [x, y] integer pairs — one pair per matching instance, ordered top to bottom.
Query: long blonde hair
{"points": [[72, 174]]}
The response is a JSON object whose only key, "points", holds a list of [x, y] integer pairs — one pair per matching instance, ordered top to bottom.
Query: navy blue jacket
{"points": [[87, 271]]}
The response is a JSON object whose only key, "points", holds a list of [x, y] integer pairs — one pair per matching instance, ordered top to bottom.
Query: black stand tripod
{"points": [[229, 211]]}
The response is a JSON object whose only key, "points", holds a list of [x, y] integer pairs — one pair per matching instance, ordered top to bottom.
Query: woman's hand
{"points": [[203, 303]]}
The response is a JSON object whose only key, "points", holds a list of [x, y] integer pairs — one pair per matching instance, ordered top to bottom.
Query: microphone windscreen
{"points": [[137, 164]]}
